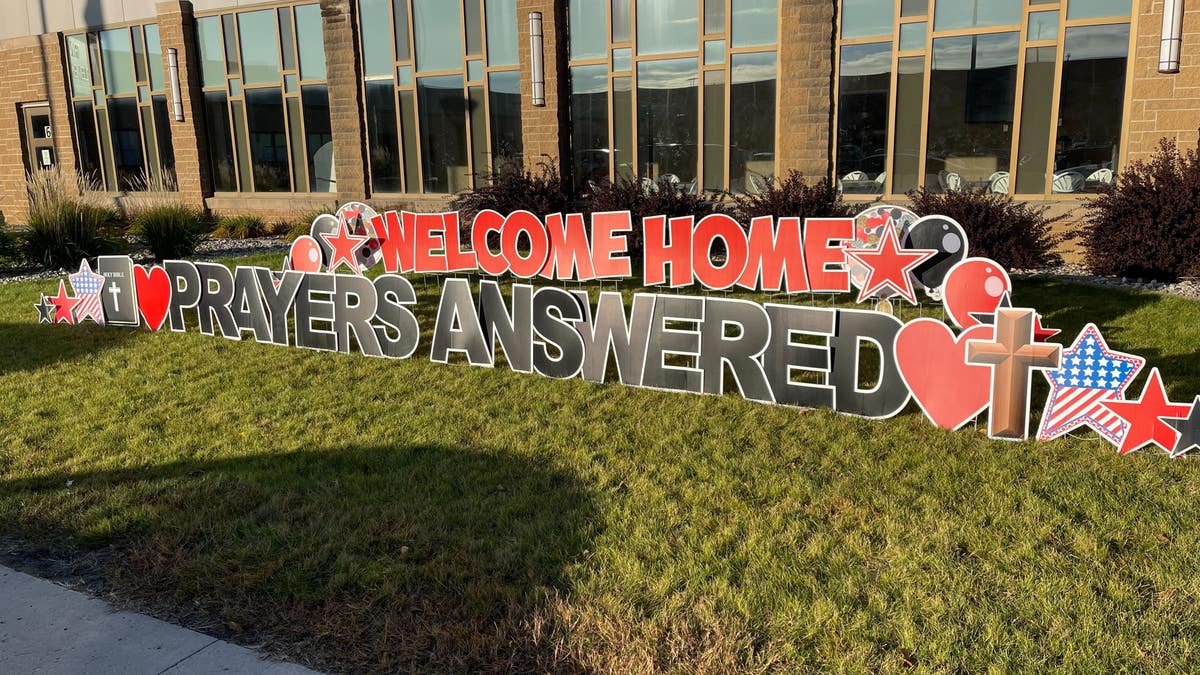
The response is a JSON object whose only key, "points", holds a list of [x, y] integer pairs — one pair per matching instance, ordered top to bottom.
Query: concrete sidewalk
{"points": [[45, 628]]}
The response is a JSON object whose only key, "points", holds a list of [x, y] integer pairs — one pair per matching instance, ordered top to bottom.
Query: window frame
{"points": [[1027, 8], [725, 66], [239, 99], [152, 167], [474, 173]]}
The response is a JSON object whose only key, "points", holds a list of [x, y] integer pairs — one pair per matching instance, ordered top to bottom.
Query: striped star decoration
{"points": [[87, 285], [1090, 375]]}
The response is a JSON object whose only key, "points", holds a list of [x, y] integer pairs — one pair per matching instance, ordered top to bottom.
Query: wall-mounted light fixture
{"points": [[1172, 36], [536, 62], [173, 69]]}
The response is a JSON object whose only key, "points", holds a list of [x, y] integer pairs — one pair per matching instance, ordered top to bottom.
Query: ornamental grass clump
{"points": [[69, 220], [1147, 225], [171, 230]]}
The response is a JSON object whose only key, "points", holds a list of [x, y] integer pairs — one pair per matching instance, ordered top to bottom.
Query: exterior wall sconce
{"points": [[1172, 36], [536, 62], [173, 69]]}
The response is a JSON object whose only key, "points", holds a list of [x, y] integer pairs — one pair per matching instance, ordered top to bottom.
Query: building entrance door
{"points": [[39, 136]]}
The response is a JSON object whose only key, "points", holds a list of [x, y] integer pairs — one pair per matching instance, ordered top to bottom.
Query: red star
{"points": [[344, 245], [889, 266], [65, 305], [1042, 333], [1143, 415]]}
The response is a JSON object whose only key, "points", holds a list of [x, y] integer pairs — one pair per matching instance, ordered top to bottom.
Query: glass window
{"points": [[915, 7], [1096, 9], [976, 14], [714, 17], [866, 18], [400, 19], [622, 20], [754, 22], [474, 25], [667, 26], [1043, 26], [437, 29], [501, 32], [912, 36], [376, 37], [287, 38], [586, 41], [312, 43], [260, 46], [212, 51], [714, 52], [139, 55], [154, 55], [77, 56], [117, 58], [622, 60], [232, 64], [475, 70], [864, 76], [504, 90], [476, 109], [442, 111], [1036, 112], [910, 113], [667, 118], [752, 120], [162, 125], [589, 125], [714, 129], [408, 136], [624, 136], [318, 138], [268, 140], [220, 141], [127, 142], [384, 143], [87, 147], [1086, 150]]}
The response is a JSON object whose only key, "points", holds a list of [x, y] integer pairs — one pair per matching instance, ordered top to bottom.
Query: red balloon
{"points": [[305, 255], [974, 285]]}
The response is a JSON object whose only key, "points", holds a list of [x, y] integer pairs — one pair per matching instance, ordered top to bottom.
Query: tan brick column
{"points": [[177, 31], [805, 87], [345, 101], [1163, 104], [543, 127]]}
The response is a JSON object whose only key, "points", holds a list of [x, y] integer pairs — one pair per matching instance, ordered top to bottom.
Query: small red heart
{"points": [[153, 294], [933, 363]]}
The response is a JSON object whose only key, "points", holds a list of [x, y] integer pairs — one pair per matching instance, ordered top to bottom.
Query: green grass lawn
{"points": [[376, 515]]}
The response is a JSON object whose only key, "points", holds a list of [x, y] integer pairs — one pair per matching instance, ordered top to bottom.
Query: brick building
{"points": [[283, 107]]}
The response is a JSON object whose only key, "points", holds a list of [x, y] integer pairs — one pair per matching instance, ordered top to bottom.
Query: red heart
{"points": [[153, 294], [933, 363]]}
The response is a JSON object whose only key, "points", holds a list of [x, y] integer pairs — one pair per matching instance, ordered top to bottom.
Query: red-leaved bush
{"points": [[1148, 224], [1015, 234]]}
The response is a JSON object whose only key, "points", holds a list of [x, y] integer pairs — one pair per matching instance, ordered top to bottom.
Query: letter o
{"points": [[516, 224], [711, 227]]}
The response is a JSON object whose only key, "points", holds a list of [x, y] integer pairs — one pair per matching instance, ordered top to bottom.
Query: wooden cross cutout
{"points": [[1012, 356]]}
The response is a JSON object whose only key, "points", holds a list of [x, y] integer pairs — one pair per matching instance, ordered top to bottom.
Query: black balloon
{"points": [[943, 235]]}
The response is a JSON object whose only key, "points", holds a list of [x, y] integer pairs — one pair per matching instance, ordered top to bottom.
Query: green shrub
{"points": [[514, 189], [792, 197], [68, 221], [302, 224], [1148, 224], [241, 227], [170, 231], [1015, 234], [10, 247]]}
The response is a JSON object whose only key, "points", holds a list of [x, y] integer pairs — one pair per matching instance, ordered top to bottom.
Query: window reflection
{"points": [[976, 14], [866, 18], [754, 22], [665, 26], [438, 31], [501, 32], [376, 37], [312, 44], [260, 46], [212, 51], [117, 57], [863, 82], [972, 87], [505, 106], [442, 109], [1036, 113], [667, 119], [752, 121], [589, 125], [318, 139], [268, 140], [126, 141], [220, 141], [383, 145], [88, 149], [1085, 152]]}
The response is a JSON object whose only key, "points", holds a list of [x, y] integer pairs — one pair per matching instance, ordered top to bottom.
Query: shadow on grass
{"points": [[29, 346], [385, 558]]}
